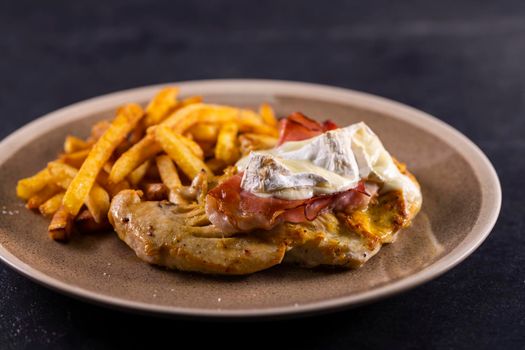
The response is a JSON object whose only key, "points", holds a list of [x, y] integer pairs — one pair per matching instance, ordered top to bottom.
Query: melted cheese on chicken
{"points": [[332, 162]]}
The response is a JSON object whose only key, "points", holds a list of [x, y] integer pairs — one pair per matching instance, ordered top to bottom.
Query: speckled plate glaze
{"points": [[461, 190]]}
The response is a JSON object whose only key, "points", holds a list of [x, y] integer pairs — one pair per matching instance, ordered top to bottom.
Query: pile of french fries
{"points": [[157, 150]]}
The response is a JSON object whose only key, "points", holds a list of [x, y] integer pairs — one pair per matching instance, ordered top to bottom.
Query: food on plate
{"points": [[224, 190], [61, 225]]}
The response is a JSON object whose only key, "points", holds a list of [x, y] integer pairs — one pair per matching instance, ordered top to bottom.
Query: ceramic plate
{"points": [[461, 192]]}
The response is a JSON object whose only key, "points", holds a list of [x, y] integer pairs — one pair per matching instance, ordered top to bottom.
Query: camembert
{"points": [[332, 162]]}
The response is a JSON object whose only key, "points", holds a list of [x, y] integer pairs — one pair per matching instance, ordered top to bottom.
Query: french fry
{"points": [[191, 100], [161, 105], [180, 105], [268, 115], [184, 118], [126, 119], [180, 121], [249, 122], [98, 130], [205, 132], [136, 134], [132, 138], [262, 139], [253, 142], [74, 144], [174, 146], [193, 147], [226, 149], [75, 158], [132, 158], [107, 166], [167, 171], [61, 174], [138, 174], [31, 185], [76, 189], [43, 195], [97, 199], [97, 203], [49, 207], [85, 223], [61, 226]]}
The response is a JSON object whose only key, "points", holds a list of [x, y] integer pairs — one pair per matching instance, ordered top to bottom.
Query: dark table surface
{"points": [[462, 61]]}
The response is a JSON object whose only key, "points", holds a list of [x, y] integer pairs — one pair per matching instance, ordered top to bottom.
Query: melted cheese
{"points": [[329, 163]]}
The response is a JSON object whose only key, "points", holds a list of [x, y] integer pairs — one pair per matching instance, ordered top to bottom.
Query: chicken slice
{"points": [[180, 237]]}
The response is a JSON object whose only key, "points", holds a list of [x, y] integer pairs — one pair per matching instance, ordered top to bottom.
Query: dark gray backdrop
{"points": [[463, 61]]}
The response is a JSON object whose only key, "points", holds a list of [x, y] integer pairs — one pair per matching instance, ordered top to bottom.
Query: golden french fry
{"points": [[191, 100], [161, 105], [180, 105], [268, 115], [184, 118], [126, 119], [180, 121], [249, 122], [98, 130], [205, 132], [136, 134], [132, 138], [262, 139], [253, 142], [74, 144], [174, 146], [193, 147], [226, 149], [75, 158], [132, 158], [216, 165], [107, 166], [167, 171], [61, 174], [138, 174], [31, 185], [43, 195], [97, 199], [97, 203], [50, 206], [61, 225]]}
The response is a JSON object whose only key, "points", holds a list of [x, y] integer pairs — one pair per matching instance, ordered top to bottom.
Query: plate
{"points": [[461, 191]]}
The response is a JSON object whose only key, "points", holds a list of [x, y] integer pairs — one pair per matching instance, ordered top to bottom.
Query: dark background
{"points": [[462, 61]]}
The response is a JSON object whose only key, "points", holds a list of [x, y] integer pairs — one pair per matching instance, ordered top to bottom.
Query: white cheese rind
{"points": [[329, 163]]}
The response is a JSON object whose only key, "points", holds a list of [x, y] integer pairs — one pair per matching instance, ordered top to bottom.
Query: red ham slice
{"points": [[299, 127], [232, 209]]}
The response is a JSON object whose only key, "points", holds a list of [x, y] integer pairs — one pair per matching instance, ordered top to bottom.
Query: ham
{"points": [[299, 127], [232, 209]]}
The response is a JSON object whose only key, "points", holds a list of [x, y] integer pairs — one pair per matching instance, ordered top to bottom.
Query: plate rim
{"points": [[483, 168]]}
